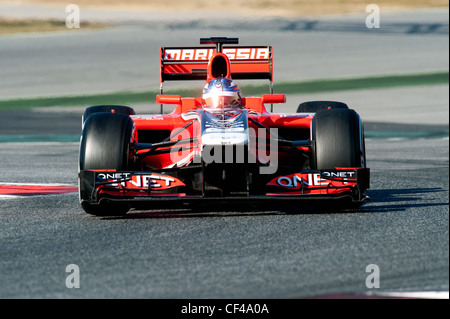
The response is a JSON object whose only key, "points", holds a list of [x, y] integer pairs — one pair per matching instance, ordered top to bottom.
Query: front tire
{"points": [[338, 137], [105, 144]]}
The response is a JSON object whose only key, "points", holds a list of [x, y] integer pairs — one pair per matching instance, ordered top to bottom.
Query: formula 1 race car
{"points": [[220, 147]]}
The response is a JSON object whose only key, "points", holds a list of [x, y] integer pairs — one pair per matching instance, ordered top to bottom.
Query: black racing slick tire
{"points": [[316, 106], [120, 109], [338, 139], [105, 143]]}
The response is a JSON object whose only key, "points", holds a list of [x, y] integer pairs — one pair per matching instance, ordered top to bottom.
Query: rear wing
{"points": [[191, 63]]}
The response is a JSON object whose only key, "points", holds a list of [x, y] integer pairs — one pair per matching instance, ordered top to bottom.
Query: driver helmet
{"points": [[221, 92]]}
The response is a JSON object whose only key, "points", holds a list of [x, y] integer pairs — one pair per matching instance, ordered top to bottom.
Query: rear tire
{"points": [[316, 106], [118, 109], [338, 137], [105, 142]]}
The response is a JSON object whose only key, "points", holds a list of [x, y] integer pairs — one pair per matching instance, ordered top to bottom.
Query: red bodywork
{"points": [[167, 150]]}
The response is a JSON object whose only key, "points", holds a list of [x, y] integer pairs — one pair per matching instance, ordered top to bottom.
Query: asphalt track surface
{"points": [[223, 253], [281, 253]]}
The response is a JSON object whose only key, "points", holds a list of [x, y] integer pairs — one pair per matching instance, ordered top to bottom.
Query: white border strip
{"points": [[415, 294]]}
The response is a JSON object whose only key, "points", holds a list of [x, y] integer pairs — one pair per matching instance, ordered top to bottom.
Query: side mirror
{"points": [[273, 98], [168, 99]]}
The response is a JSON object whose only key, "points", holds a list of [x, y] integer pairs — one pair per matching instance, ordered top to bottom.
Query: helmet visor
{"points": [[219, 99]]}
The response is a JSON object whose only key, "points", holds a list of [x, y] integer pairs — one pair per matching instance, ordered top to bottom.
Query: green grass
{"points": [[328, 85]]}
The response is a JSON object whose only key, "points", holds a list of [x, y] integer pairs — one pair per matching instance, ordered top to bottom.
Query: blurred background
{"points": [[322, 50]]}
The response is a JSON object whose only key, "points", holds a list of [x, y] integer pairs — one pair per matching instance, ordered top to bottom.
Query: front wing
{"points": [[147, 190]]}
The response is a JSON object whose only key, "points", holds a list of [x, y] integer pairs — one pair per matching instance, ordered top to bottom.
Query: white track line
{"points": [[37, 184]]}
